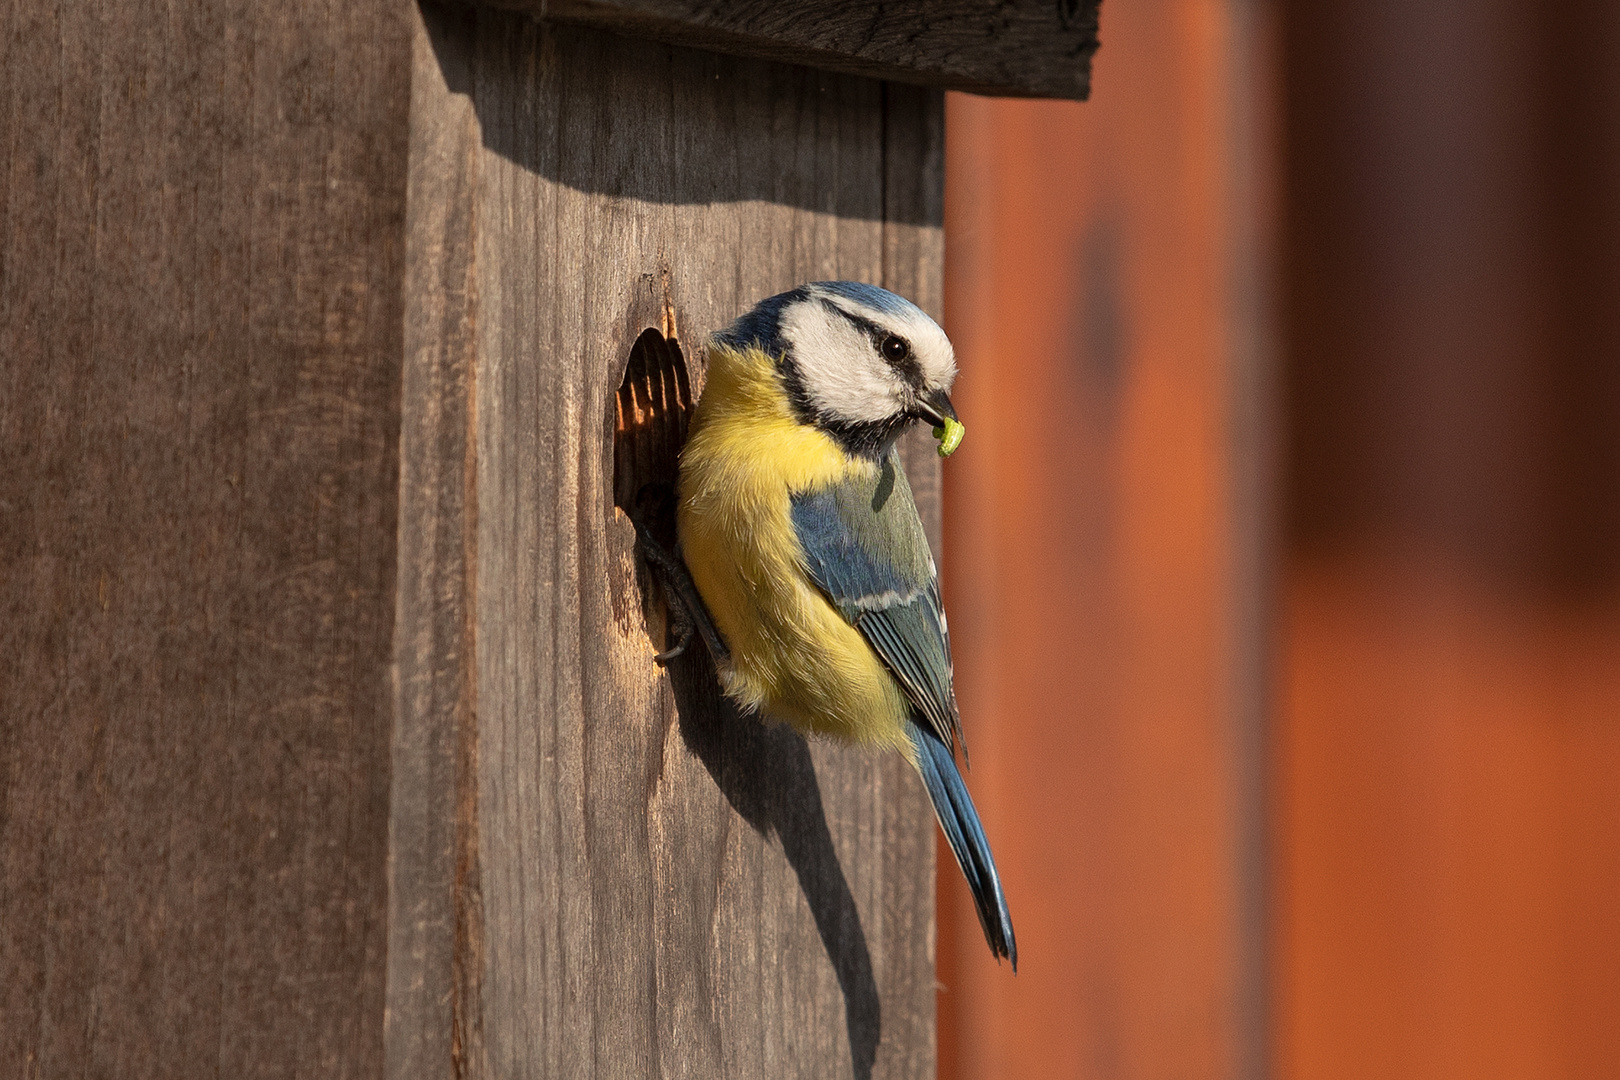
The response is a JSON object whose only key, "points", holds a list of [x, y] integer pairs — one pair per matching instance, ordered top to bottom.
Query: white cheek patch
{"points": [[841, 372]]}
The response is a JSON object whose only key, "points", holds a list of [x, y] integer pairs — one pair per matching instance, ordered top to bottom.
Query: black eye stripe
{"points": [[860, 322], [906, 363]]}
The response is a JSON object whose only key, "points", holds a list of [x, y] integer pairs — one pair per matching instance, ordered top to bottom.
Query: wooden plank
{"points": [[1026, 48], [199, 331], [1106, 522], [433, 844], [664, 886]]}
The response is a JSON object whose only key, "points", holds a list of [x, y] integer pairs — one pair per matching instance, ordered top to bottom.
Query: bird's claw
{"points": [[686, 609]]}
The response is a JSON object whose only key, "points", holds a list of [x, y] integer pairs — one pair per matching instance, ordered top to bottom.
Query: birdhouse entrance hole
{"points": [[651, 413]]}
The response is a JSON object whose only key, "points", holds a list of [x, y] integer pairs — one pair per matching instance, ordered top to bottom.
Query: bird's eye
{"points": [[895, 349]]}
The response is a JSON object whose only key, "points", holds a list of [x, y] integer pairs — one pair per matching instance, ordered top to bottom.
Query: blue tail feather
{"points": [[960, 822]]}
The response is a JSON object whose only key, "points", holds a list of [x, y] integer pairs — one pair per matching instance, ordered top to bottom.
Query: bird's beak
{"points": [[936, 408]]}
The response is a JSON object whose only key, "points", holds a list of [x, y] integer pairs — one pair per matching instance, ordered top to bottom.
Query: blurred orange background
{"points": [[1283, 555]]}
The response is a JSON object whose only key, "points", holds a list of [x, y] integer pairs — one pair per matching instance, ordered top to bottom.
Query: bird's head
{"points": [[856, 361]]}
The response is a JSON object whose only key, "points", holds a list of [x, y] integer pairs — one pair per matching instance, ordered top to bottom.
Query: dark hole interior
{"points": [[652, 410]]}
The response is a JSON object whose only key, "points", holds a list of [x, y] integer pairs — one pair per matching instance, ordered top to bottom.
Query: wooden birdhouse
{"points": [[336, 339]]}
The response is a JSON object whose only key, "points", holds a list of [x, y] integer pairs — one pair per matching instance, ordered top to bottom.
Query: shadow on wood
{"points": [[586, 145], [764, 769], [766, 773]]}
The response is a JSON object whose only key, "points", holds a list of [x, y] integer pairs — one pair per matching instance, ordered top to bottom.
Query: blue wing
{"points": [[865, 549]]}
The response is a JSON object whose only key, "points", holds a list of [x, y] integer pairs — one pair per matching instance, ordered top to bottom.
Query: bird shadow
{"points": [[764, 770], [768, 777]]}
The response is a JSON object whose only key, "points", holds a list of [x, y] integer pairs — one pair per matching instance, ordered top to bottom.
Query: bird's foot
{"points": [[686, 608]]}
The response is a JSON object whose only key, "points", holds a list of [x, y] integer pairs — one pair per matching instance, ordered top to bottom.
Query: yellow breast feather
{"points": [[792, 654]]}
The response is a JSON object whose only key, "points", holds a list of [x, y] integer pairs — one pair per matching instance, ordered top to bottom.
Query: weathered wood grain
{"points": [[1039, 48], [199, 336], [332, 741], [433, 840], [664, 887]]}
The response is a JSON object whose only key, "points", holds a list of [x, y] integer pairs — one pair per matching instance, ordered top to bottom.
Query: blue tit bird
{"points": [[799, 530]]}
